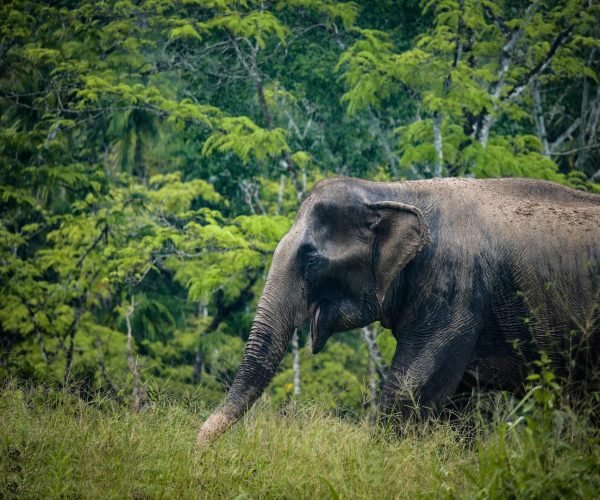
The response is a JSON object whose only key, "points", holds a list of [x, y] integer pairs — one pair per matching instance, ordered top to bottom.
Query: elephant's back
{"points": [[505, 189], [542, 191], [511, 206], [524, 212]]}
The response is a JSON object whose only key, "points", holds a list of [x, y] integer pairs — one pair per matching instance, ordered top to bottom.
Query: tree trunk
{"points": [[538, 113], [484, 130], [588, 130], [438, 144], [280, 194], [201, 311], [71, 331], [296, 363], [372, 374], [139, 393]]}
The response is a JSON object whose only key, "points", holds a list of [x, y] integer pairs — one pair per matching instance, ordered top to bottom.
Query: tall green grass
{"points": [[53, 444]]}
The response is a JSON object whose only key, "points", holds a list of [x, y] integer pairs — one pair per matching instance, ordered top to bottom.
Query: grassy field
{"points": [[53, 444]]}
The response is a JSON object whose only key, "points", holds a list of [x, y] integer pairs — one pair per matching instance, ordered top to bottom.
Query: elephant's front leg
{"points": [[427, 368]]}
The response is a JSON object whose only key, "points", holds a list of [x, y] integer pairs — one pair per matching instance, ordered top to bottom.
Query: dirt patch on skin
{"points": [[526, 210], [566, 214]]}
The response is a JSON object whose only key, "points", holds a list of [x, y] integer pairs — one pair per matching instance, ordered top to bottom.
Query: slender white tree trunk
{"points": [[538, 112], [485, 129], [588, 132], [438, 144], [280, 194], [201, 311], [367, 335], [296, 363], [140, 394]]}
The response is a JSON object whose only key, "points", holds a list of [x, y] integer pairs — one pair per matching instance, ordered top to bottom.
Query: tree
{"points": [[472, 78]]}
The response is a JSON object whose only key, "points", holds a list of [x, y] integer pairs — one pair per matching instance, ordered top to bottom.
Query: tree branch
{"points": [[559, 41], [557, 143], [577, 150], [102, 234]]}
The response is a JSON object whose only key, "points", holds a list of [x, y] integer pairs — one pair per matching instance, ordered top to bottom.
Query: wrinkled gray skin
{"points": [[474, 277]]}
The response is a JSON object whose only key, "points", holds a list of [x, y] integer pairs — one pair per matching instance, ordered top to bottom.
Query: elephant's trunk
{"points": [[281, 308]]}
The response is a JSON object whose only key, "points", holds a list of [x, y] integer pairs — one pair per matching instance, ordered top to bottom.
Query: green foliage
{"points": [[347, 12], [255, 25], [185, 31], [474, 69], [366, 70], [241, 136], [507, 157], [174, 197], [543, 449]]}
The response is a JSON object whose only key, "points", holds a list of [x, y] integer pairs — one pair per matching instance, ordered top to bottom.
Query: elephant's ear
{"points": [[400, 231]]}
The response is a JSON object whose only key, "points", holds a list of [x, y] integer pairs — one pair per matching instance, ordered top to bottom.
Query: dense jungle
{"points": [[152, 155]]}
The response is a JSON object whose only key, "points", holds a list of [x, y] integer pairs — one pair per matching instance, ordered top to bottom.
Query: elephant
{"points": [[475, 278]]}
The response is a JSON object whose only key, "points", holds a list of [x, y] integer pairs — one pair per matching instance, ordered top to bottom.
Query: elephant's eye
{"points": [[309, 257], [312, 261]]}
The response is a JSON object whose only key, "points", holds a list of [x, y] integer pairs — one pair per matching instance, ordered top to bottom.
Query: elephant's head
{"points": [[335, 266]]}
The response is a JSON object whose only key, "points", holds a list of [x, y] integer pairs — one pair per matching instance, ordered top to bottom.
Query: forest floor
{"points": [[54, 444]]}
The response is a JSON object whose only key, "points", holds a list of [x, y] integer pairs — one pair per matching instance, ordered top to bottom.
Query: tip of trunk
{"points": [[214, 426]]}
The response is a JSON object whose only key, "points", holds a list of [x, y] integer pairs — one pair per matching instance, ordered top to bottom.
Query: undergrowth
{"points": [[54, 444]]}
